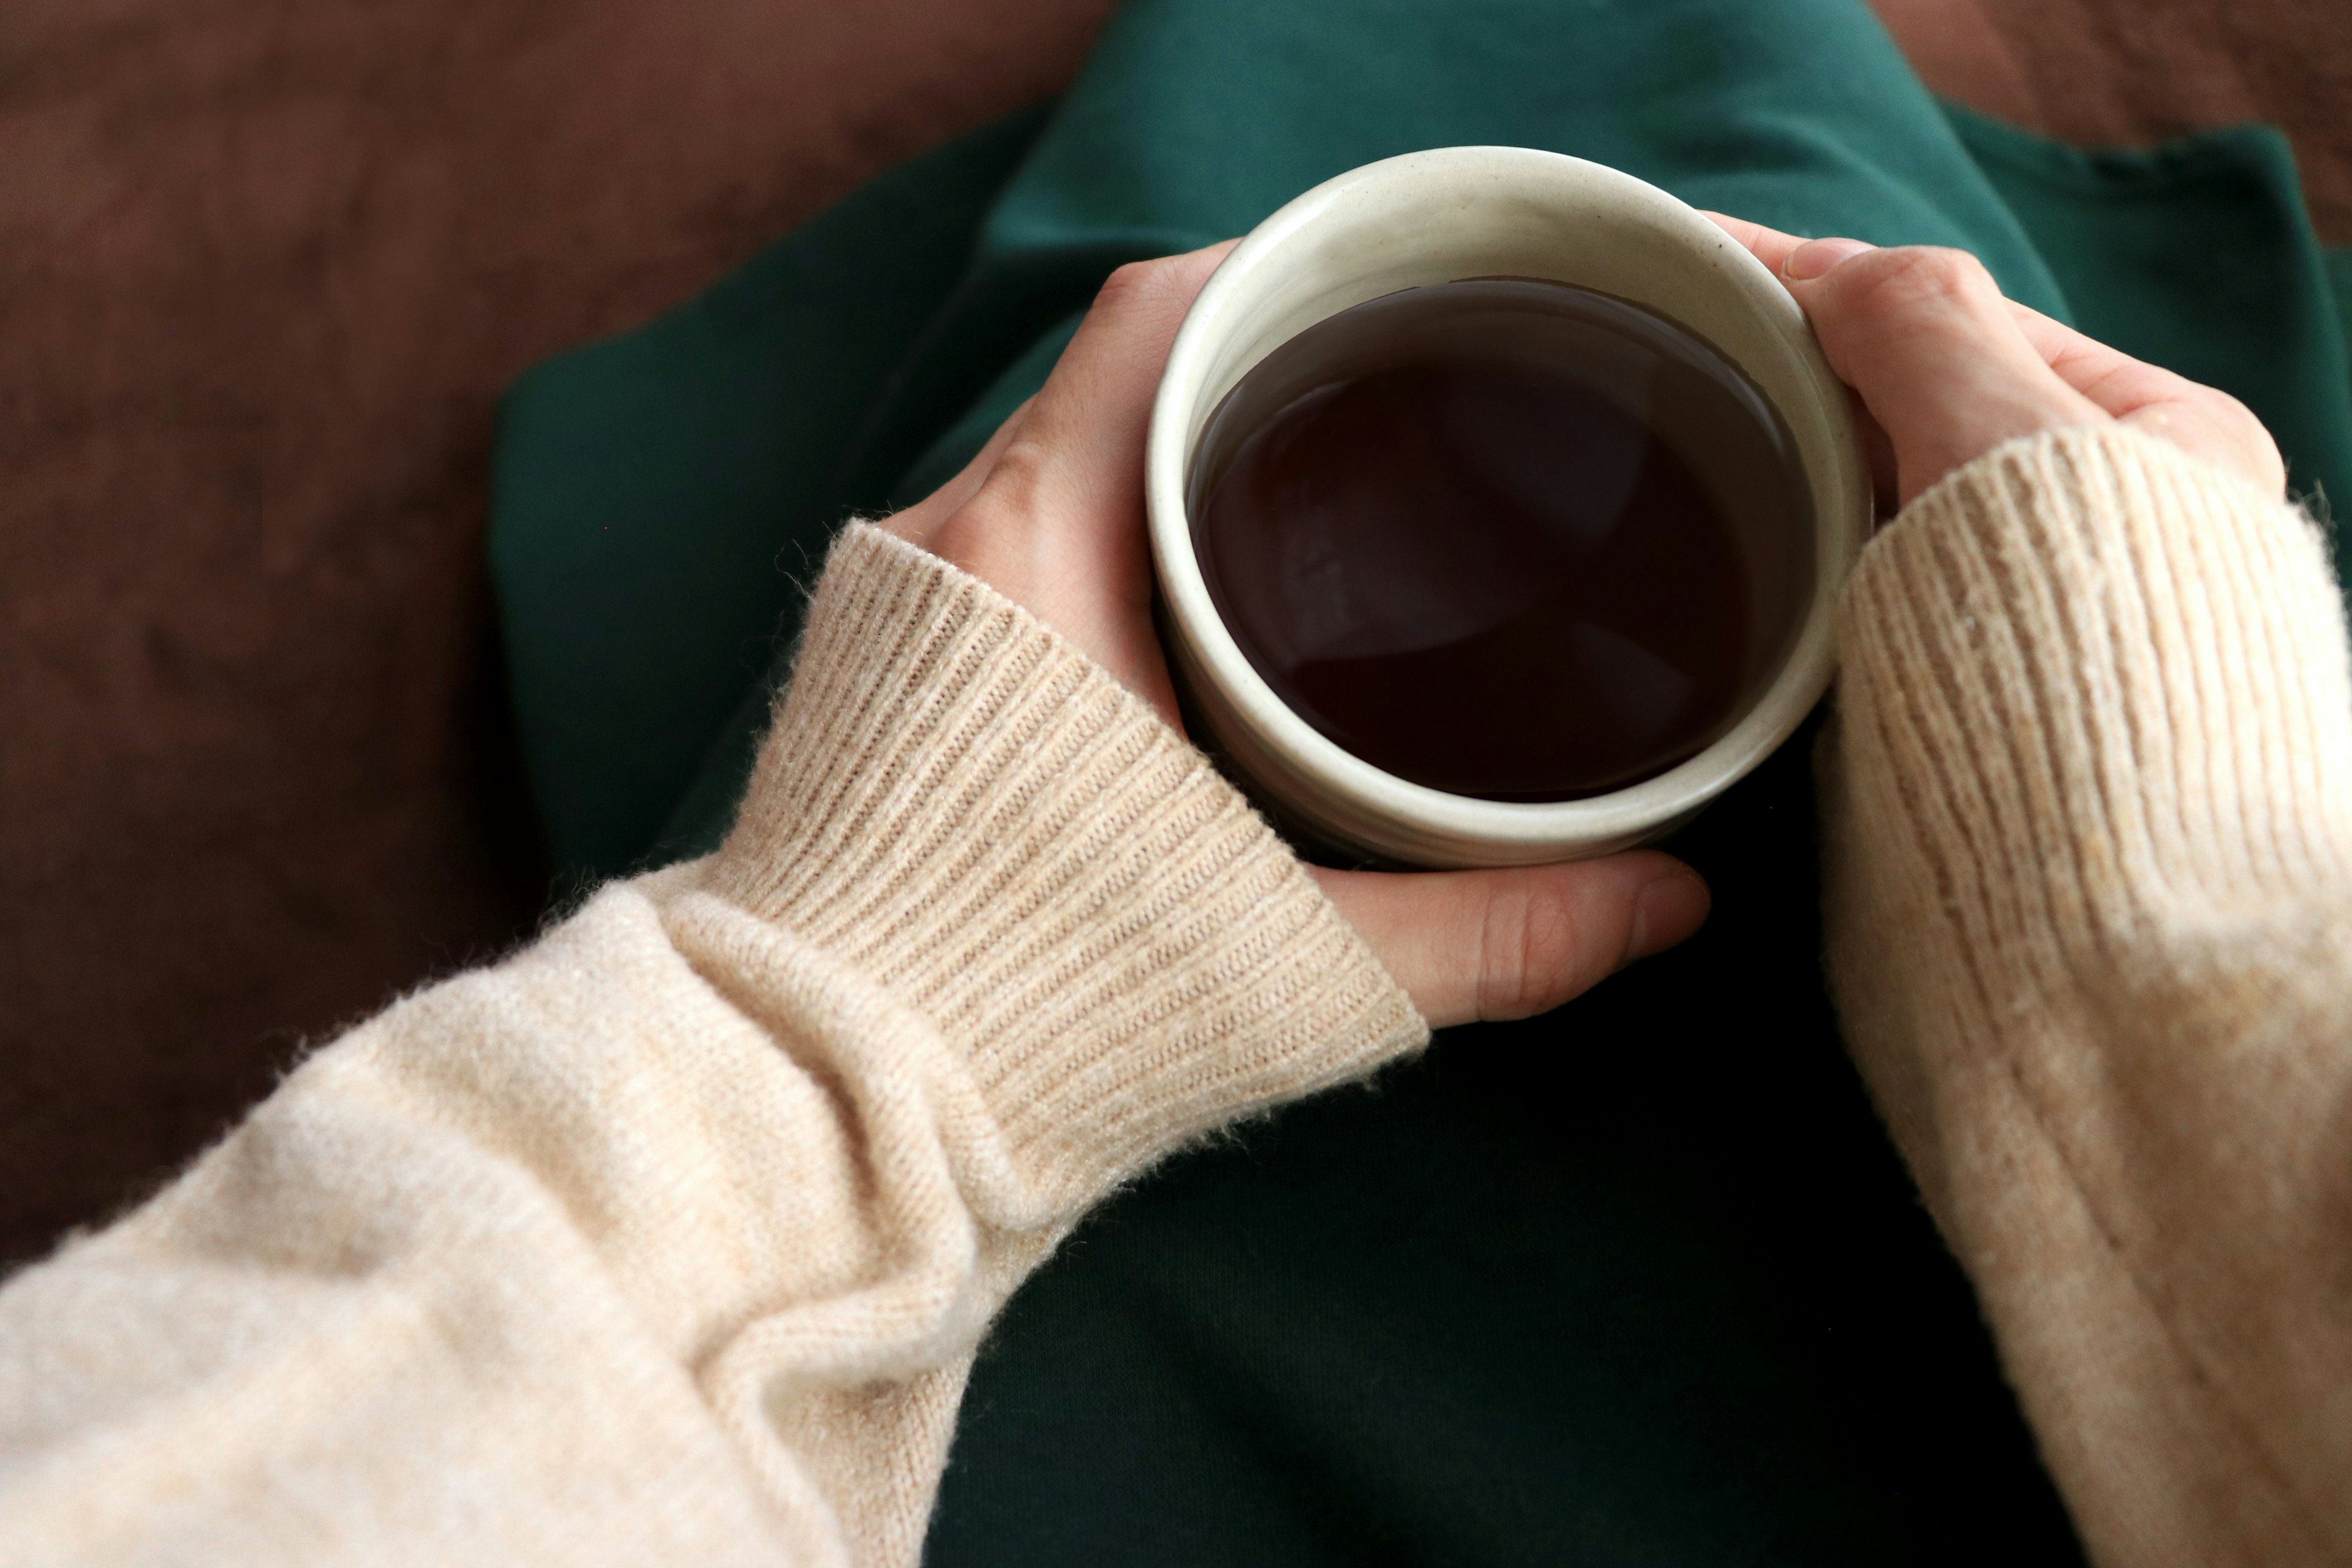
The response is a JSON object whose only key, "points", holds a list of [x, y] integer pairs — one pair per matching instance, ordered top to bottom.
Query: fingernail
{"points": [[1817, 257], [1666, 911]]}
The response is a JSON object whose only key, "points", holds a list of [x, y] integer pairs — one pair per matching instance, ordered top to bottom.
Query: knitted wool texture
{"points": [[2090, 802], [670, 1238]]}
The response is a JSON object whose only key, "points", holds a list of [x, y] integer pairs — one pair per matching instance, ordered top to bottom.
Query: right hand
{"points": [[1947, 369], [1051, 515]]}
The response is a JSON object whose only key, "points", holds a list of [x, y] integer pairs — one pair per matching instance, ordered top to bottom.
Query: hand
{"points": [[1947, 369], [1051, 515]]}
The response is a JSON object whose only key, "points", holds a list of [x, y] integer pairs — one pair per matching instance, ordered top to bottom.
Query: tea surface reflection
{"points": [[1504, 538]]}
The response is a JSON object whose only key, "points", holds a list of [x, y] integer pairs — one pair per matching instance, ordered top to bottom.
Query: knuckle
{"points": [[1910, 277], [1134, 283], [2232, 416], [2243, 433], [1015, 482], [1536, 953]]}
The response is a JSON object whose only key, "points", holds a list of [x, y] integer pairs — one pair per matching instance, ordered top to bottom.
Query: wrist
{"points": [[2090, 663], [959, 803]]}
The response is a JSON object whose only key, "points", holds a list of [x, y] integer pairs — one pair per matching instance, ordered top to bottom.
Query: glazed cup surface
{"points": [[1436, 217]]}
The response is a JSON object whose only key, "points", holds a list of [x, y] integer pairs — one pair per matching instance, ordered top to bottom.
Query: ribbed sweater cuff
{"points": [[2100, 681], [958, 802]]}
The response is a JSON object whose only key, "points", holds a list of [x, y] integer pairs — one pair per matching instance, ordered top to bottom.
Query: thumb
{"points": [[1924, 335], [1469, 946]]}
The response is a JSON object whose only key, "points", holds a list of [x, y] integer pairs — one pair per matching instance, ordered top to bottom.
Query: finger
{"points": [[1769, 246], [1773, 248], [1925, 336], [2107, 376], [1097, 406], [2201, 420], [1074, 438], [1071, 467], [1056, 521], [918, 523], [1468, 945]]}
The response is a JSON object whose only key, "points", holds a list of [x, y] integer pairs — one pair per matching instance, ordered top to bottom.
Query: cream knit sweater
{"points": [[669, 1239]]}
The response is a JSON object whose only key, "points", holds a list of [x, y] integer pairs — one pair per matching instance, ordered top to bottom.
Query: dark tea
{"points": [[1504, 538]]}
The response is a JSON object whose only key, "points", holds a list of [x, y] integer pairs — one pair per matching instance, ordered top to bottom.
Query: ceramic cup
{"points": [[1435, 217]]}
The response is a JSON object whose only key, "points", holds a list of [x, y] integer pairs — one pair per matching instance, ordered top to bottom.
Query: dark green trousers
{"points": [[1641, 1282]]}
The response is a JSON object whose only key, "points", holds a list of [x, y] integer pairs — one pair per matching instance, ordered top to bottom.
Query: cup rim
{"points": [[1463, 829]]}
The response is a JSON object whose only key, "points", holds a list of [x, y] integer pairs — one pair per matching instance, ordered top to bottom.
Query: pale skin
{"points": [[1051, 514]]}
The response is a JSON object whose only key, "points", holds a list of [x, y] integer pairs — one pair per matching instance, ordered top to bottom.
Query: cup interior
{"points": [[1436, 217]]}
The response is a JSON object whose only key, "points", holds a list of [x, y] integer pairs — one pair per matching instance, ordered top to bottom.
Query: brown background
{"points": [[264, 268]]}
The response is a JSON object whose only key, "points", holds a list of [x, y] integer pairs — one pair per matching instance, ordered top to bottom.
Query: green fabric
{"points": [[2197, 257], [2338, 265], [657, 499], [1638, 1283]]}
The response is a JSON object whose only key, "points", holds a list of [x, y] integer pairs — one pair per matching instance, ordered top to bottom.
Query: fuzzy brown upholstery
{"points": [[2128, 72], [267, 269]]}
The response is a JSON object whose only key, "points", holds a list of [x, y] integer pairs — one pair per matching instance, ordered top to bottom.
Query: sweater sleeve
{"points": [[2089, 802], [669, 1239]]}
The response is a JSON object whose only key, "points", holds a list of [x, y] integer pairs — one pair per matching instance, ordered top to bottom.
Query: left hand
{"points": [[1051, 515]]}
